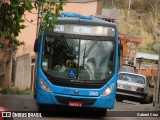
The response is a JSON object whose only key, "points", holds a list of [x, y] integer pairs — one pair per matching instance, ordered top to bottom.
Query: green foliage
{"points": [[120, 4], [12, 11], [49, 13], [11, 17], [1, 45], [13, 91]]}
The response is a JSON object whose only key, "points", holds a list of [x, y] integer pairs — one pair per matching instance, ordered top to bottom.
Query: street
{"points": [[76, 56], [122, 110]]}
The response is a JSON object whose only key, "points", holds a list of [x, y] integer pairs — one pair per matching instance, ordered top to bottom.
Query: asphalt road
{"points": [[122, 111]]}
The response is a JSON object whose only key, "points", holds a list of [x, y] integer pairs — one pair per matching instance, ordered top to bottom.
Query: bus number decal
{"points": [[59, 28], [93, 93]]}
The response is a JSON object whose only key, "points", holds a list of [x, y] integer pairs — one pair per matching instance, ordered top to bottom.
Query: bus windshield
{"points": [[74, 58]]}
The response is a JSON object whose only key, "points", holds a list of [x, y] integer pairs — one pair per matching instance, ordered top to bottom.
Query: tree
{"points": [[11, 12], [11, 22]]}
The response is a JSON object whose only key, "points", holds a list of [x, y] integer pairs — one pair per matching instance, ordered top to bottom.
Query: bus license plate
{"points": [[75, 104]]}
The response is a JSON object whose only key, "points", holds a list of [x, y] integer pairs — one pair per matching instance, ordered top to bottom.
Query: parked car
{"points": [[127, 68], [134, 87], [2, 109]]}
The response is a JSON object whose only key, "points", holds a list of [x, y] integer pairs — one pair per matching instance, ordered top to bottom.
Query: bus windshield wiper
{"points": [[66, 45], [91, 47], [86, 53]]}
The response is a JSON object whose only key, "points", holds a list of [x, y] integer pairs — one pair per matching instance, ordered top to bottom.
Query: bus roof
{"points": [[81, 21]]}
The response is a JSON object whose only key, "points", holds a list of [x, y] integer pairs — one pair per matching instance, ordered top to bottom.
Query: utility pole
{"points": [[129, 6], [130, 46], [139, 60], [156, 101]]}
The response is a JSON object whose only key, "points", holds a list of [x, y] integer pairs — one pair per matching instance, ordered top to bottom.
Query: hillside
{"points": [[141, 18], [137, 26]]}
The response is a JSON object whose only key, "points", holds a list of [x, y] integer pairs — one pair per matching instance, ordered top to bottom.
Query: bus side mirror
{"points": [[36, 45], [120, 48]]}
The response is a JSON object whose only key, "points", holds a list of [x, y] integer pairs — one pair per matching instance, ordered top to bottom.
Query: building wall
{"points": [[100, 5], [89, 8], [28, 35], [129, 48], [128, 51], [148, 71], [23, 72]]}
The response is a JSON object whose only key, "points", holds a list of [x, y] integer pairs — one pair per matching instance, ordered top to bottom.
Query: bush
{"points": [[14, 91]]}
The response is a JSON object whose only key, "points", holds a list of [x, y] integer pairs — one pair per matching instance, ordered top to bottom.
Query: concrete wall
{"points": [[89, 8], [28, 35], [23, 72]]}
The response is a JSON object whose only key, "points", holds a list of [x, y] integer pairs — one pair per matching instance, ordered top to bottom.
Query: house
{"points": [[129, 44], [147, 69]]}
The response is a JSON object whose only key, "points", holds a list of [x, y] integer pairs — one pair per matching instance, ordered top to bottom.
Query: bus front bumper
{"points": [[43, 97]]}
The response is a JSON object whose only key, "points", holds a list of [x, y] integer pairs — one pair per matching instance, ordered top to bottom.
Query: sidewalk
{"points": [[134, 106], [157, 107], [152, 108]]}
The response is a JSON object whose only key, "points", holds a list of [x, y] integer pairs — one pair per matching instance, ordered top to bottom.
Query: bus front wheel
{"points": [[41, 107], [101, 112]]}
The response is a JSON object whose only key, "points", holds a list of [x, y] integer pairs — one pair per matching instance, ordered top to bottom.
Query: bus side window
{"points": [[37, 44]]}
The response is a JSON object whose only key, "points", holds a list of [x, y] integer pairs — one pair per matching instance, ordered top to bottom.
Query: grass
{"points": [[15, 91]]}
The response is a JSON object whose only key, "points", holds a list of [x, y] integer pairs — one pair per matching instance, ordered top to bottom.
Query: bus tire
{"points": [[34, 95], [41, 107], [101, 112]]}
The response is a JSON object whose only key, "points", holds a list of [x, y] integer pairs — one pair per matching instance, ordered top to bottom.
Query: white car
{"points": [[133, 87]]}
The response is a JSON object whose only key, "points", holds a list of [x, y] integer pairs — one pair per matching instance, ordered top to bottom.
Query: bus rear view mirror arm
{"points": [[120, 48]]}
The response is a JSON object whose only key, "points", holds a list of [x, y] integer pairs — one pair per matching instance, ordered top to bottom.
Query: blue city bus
{"points": [[77, 63]]}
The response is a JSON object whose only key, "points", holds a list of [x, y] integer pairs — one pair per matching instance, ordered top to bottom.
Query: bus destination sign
{"points": [[85, 30]]}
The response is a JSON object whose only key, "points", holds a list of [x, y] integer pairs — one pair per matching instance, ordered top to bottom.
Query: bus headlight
{"points": [[44, 86], [108, 90]]}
